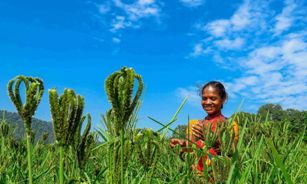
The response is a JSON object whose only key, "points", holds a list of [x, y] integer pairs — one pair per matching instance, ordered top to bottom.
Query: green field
{"points": [[268, 151]]}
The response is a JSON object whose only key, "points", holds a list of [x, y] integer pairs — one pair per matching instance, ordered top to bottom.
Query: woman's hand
{"points": [[198, 131], [180, 142]]}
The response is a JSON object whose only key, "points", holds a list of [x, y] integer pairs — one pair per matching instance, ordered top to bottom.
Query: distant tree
{"points": [[274, 112], [305, 116], [297, 119], [305, 123], [180, 132]]}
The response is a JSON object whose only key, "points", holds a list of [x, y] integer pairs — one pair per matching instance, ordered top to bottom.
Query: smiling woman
{"points": [[213, 97], [210, 128]]}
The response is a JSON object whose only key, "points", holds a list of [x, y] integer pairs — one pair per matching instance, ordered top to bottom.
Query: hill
{"points": [[39, 127]]}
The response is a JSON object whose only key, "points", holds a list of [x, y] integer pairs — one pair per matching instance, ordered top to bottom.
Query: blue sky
{"points": [[258, 49]]}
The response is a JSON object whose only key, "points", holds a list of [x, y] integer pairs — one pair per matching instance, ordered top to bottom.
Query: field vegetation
{"points": [[271, 148]]}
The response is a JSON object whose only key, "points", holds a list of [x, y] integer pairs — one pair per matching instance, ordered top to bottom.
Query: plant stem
{"points": [[2, 145], [122, 156], [29, 157], [61, 170]]}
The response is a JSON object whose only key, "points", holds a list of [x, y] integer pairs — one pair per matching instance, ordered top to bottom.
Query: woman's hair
{"points": [[217, 85]]}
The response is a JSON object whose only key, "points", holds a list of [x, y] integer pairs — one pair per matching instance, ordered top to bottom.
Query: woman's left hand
{"points": [[198, 131], [180, 142]]}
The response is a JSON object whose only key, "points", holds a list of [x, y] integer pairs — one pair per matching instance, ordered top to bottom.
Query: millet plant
{"points": [[119, 87], [34, 89], [67, 122], [4, 132], [84, 142], [148, 143], [147, 146], [267, 151]]}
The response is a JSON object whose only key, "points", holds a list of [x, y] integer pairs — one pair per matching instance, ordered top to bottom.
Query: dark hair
{"points": [[217, 85]]}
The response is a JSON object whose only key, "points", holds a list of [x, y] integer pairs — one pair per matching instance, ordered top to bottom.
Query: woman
{"points": [[213, 96]]}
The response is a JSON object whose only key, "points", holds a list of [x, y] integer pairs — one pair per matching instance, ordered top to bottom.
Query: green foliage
{"points": [[119, 88], [34, 89], [34, 92], [274, 111], [240, 117], [67, 119], [297, 119], [120, 120], [4, 127], [180, 132], [84, 143], [147, 144], [269, 150], [253, 162]]}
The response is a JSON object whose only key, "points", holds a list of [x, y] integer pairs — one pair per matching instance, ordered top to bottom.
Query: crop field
{"points": [[119, 152]]}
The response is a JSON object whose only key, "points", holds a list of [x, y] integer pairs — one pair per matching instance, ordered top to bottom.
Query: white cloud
{"points": [[144, 2], [192, 3], [104, 8], [139, 9], [133, 13], [120, 15], [246, 16], [242, 17], [285, 19], [120, 22], [218, 28], [231, 34], [116, 40], [226, 43], [268, 48], [198, 49], [281, 73], [241, 83], [192, 93]]}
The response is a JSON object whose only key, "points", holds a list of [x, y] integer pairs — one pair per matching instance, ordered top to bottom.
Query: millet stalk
{"points": [[34, 90]]}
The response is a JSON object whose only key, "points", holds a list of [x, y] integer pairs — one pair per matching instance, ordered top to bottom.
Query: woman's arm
{"points": [[180, 142], [186, 144]]}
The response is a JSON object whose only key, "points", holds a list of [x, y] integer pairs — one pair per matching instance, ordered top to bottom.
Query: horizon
{"points": [[257, 49]]}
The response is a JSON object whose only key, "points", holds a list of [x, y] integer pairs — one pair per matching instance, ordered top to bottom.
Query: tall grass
{"points": [[118, 152], [267, 153]]}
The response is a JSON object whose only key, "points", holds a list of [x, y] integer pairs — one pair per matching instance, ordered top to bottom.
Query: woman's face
{"points": [[211, 100]]}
